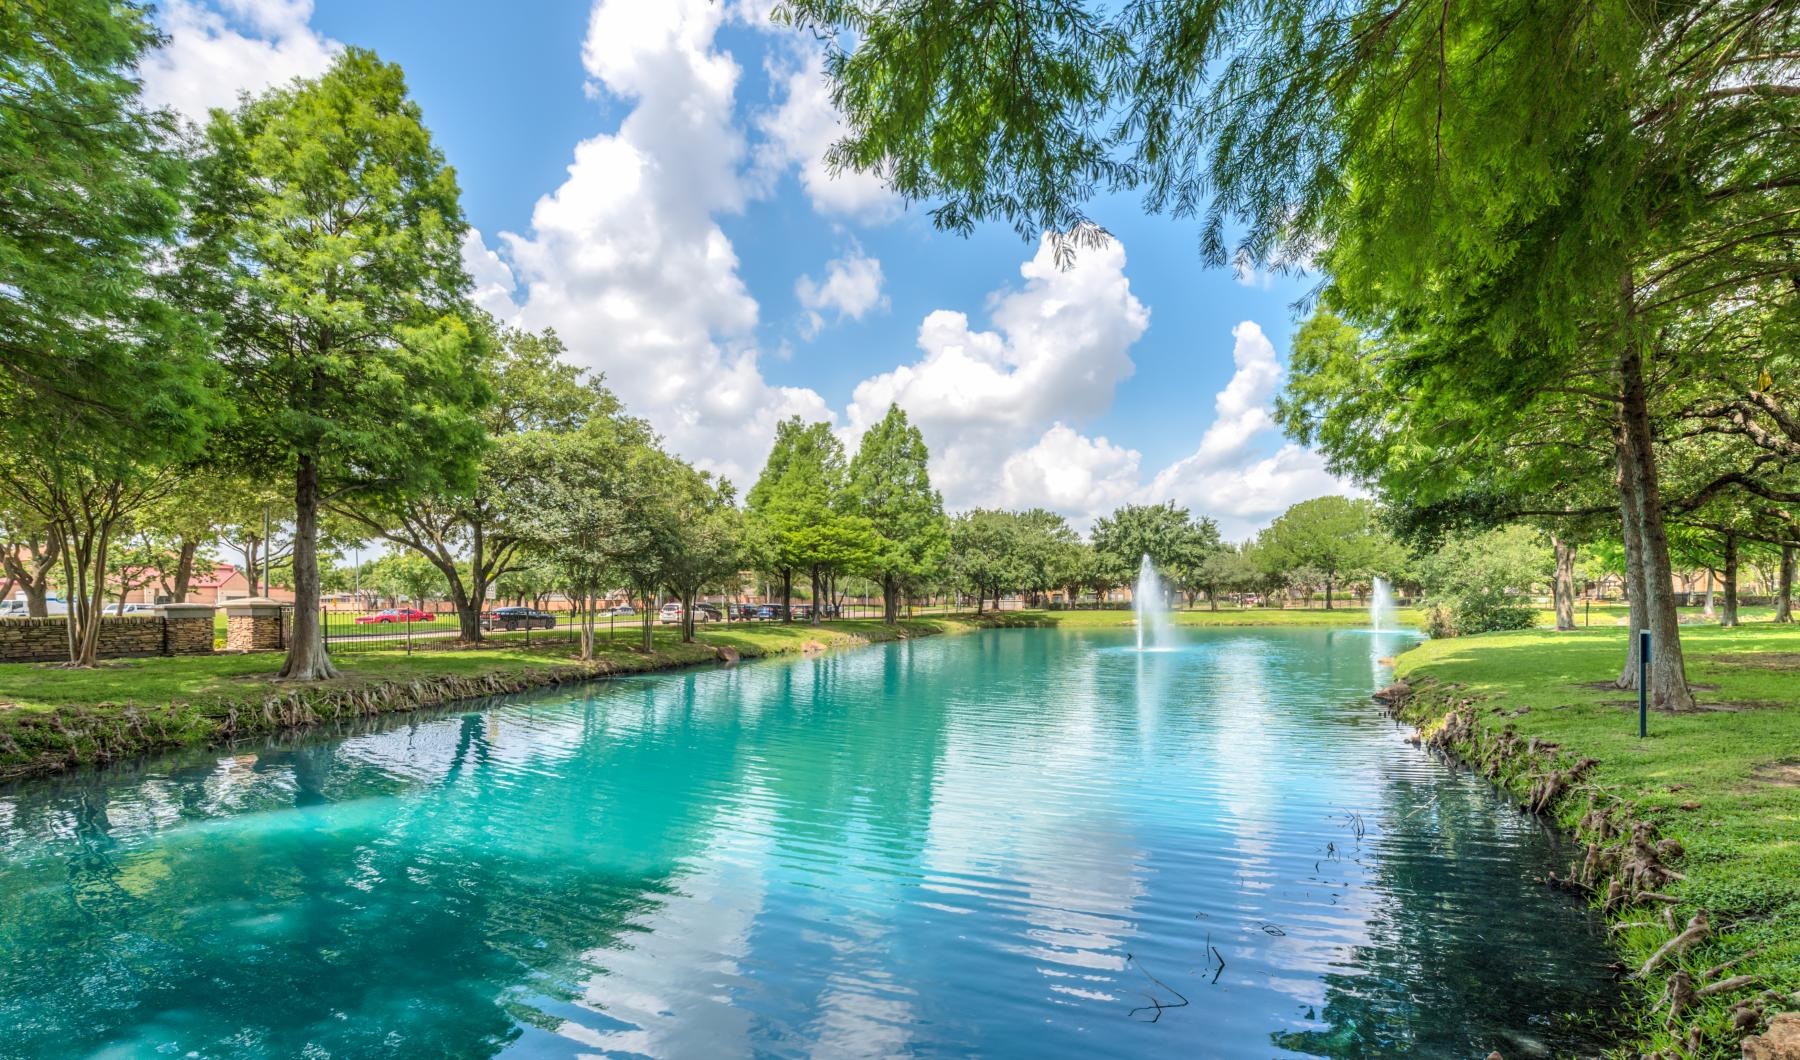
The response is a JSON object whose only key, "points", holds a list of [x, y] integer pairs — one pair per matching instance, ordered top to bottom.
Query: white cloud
{"points": [[214, 53], [800, 129], [626, 259], [494, 282], [851, 289], [1060, 345], [1240, 411], [1070, 473], [1245, 495]]}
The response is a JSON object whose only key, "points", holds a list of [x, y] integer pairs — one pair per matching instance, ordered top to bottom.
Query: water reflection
{"points": [[977, 844]]}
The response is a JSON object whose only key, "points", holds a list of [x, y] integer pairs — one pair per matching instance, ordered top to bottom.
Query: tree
{"points": [[1446, 167], [91, 197], [326, 243], [890, 485], [85, 489], [801, 516], [468, 529], [1336, 535], [1175, 544], [709, 546], [1045, 551], [29, 552], [984, 553], [1227, 568], [401, 576], [1480, 583]]}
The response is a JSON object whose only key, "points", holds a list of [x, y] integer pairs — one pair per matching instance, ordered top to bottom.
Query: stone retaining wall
{"points": [[189, 632]]}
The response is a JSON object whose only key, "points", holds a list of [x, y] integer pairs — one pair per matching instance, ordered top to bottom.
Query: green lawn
{"points": [[1723, 781]]}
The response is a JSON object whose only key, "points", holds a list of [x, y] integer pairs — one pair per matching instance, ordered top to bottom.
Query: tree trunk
{"points": [[1634, 560], [253, 566], [30, 568], [184, 570], [1784, 587], [1563, 589], [787, 594], [1327, 594], [37, 598], [1212, 599], [890, 603], [1709, 610], [1728, 615], [687, 617], [813, 617], [587, 626], [649, 643], [306, 658], [1668, 671]]}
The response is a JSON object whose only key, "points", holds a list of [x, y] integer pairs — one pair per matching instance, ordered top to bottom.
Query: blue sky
{"points": [[644, 176]]}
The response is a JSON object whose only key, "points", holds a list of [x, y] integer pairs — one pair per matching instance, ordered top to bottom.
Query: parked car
{"points": [[17, 608], [137, 609], [622, 611], [744, 612], [769, 612], [802, 612], [670, 613], [708, 613], [396, 614], [510, 618]]}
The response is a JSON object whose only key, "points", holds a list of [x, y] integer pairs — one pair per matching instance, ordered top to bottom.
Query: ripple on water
{"points": [[1020, 843]]}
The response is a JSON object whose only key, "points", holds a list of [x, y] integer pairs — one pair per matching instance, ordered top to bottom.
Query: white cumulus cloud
{"points": [[215, 52], [799, 130], [626, 258], [852, 287], [1059, 345], [1070, 473]]}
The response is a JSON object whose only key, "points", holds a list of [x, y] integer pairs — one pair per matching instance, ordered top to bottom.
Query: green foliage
{"points": [[327, 246], [89, 342], [889, 484], [1338, 537], [405, 577], [1483, 582]]}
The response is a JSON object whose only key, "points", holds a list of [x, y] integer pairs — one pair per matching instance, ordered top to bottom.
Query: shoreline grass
{"points": [[1723, 782]]}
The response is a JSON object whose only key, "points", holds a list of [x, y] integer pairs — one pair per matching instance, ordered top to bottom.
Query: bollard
{"points": [[1643, 683]]}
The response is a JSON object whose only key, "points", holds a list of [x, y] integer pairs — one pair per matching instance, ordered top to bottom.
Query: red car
{"points": [[397, 614]]}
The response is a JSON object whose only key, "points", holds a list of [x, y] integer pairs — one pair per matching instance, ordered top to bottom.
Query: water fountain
{"points": [[1381, 604], [1147, 605]]}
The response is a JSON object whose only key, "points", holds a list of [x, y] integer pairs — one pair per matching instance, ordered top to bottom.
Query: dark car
{"points": [[744, 612], [768, 612], [708, 613], [518, 618]]}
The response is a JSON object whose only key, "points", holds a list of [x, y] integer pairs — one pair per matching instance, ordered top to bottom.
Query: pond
{"points": [[1024, 843]]}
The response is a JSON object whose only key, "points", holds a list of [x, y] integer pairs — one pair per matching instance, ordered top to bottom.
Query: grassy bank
{"points": [[52, 718], [1706, 811]]}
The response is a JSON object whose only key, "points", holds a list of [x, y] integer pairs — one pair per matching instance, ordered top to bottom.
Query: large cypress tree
{"points": [[327, 238], [890, 484]]}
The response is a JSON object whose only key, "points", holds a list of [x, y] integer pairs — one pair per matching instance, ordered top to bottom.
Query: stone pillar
{"points": [[253, 624], [187, 628]]}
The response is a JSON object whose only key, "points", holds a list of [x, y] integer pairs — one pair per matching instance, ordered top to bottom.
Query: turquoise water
{"points": [[1021, 843]]}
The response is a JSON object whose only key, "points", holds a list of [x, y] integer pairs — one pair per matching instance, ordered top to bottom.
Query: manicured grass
{"points": [[1723, 781]]}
